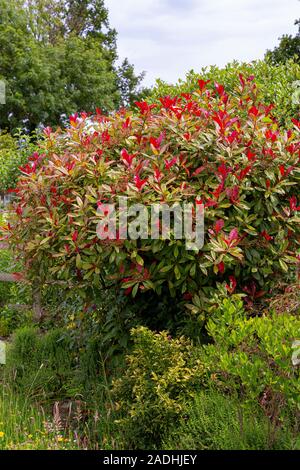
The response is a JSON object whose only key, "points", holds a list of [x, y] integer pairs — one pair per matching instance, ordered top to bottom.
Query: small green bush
{"points": [[253, 357], [161, 374], [218, 422]]}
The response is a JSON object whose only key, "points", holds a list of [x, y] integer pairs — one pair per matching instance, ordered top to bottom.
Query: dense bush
{"points": [[276, 84], [224, 150], [253, 357], [161, 374], [219, 422]]}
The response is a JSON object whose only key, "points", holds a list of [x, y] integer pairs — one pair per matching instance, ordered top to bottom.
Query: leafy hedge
{"points": [[276, 84], [222, 149]]}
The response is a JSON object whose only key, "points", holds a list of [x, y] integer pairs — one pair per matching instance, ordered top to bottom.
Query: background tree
{"points": [[288, 48], [59, 57], [129, 84]]}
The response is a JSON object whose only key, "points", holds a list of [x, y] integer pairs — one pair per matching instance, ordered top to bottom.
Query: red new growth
{"points": [[202, 84], [219, 88], [168, 102], [144, 107], [253, 110], [73, 118], [127, 158], [170, 163], [140, 183], [293, 204], [219, 225], [75, 236], [266, 236], [232, 239], [221, 267], [232, 284]]}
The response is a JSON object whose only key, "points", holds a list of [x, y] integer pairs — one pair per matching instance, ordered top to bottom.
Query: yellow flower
{"points": [[1, 434], [60, 439]]}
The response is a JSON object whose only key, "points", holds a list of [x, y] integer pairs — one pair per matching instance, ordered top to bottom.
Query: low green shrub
{"points": [[253, 357], [161, 374], [219, 422]]}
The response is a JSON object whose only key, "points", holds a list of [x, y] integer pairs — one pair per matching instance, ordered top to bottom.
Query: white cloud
{"points": [[167, 38]]}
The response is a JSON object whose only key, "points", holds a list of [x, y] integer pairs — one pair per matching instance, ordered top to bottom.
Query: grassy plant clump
{"points": [[218, 422]]}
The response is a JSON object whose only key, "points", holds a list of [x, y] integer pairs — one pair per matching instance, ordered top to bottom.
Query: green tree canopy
{"points": [[288, 48], [58, 57]]}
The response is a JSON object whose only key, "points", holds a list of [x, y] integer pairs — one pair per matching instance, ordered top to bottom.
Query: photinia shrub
{"points": [[223, 150]]}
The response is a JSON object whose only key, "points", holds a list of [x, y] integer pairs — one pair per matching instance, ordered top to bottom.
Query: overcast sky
{"points": [[167, 38]]}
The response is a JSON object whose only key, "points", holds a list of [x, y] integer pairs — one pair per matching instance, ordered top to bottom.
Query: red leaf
{"points": [[242, 81], [202, 84], [219, 88], [168, 102], [144, 107], [253, 110], [73, 118], [296, 122], [47, 131], [105, 137], [250, 155], [127, 158], [170, 163], [199, 170], [157, 175], [140, 183], [293, 204], [219, 225], [266, 236], [221, 267], [18, 276], [232, 284], [187, 296]]}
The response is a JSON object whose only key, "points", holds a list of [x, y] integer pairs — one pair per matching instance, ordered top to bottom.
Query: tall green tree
{"points": [[50, 20], [288, 48], [58, 57], [129, 84]]}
